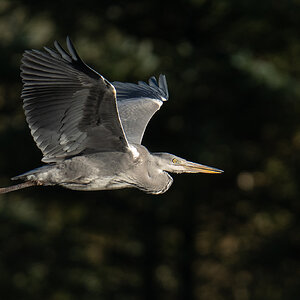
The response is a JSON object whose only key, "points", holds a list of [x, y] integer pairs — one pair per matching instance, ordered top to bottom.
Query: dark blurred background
{"points": [[233, 70]]}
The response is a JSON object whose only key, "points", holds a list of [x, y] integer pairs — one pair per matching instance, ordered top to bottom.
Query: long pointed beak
{"points": [[198, 168]]}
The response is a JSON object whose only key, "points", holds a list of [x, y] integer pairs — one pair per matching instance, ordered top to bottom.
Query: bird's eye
{"points": [[174, 160]]}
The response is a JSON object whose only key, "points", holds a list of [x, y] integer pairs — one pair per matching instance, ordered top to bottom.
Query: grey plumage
{"points": [[137, 103], [69, 107], [91, 130]]}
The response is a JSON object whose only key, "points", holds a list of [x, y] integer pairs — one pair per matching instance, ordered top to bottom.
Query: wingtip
{"points": [[69, 42], [57, 44], [71, 49], [51, 52], [64, 54], [152, 81], [162, 83]]}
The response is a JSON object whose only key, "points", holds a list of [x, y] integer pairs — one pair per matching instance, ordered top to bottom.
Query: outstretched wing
{"points": [[137, 103], [69, 107]]}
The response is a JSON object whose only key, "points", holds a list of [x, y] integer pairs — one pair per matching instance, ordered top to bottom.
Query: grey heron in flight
{"points": [[90, 130]]}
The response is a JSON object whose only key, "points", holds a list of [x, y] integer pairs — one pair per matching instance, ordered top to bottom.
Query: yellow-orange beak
{"points": [[191, 167]]}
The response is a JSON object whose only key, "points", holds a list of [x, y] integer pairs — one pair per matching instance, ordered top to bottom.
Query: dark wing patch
{"points": [[137, 103], [69, 107]]}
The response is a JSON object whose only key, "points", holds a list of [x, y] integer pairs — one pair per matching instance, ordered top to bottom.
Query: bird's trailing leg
{"points": [[19, 186]]}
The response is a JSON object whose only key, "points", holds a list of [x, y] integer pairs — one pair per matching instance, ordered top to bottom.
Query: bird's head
{"points": [[174, 164]]}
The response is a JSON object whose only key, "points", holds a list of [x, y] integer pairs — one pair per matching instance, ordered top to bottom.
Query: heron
{"points": [[90, 130]]}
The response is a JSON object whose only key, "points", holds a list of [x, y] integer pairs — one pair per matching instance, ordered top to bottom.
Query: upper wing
{"points": [[137, 103], [69, 107]]}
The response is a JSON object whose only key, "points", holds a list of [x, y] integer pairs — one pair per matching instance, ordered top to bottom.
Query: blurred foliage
{"points": [[233, 70]]}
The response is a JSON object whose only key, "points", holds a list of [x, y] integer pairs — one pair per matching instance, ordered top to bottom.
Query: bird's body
{"points": [[90, 130], [104, 171]]}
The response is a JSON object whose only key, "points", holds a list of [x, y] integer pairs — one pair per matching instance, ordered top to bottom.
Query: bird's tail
{"points": [[16, 187]]}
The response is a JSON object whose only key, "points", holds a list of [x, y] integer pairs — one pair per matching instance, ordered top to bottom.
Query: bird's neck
{"points": [[147, 172]]}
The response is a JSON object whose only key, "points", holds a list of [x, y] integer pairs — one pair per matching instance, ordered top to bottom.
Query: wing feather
{"points": [[137, 103], [69, 107]]}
